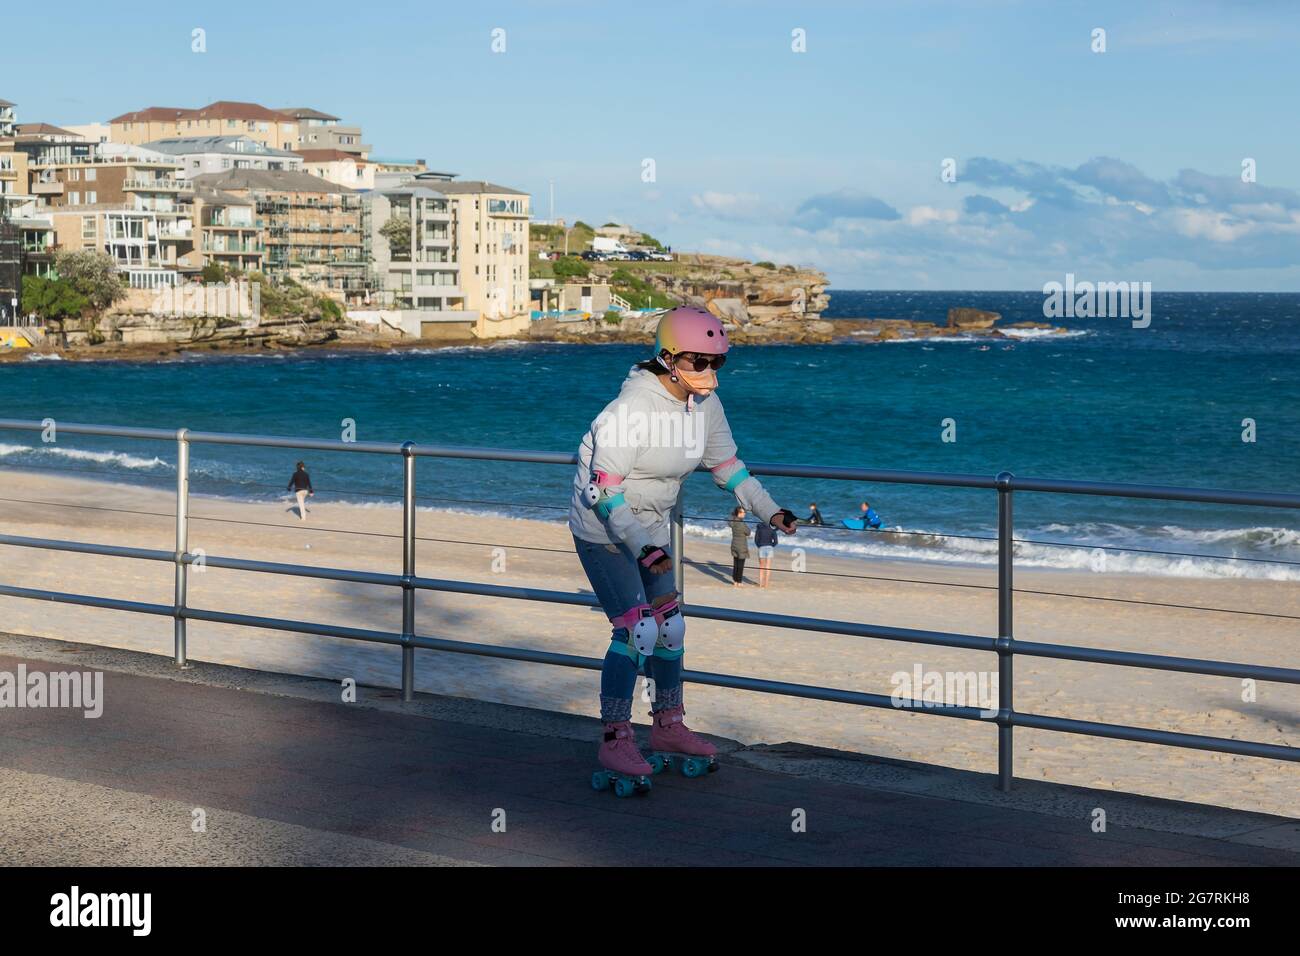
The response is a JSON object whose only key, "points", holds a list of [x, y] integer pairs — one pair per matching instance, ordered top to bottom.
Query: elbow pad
{"points": [[730, 475], [597, 495]]}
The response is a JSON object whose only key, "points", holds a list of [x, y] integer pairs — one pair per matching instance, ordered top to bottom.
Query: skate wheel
{"points": [[658, 763], [713, 766], [692, 767], [600, 780], [624, 787], [642, 787]]}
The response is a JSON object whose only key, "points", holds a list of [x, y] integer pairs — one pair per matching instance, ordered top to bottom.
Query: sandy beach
{"points": [[539, 554]]}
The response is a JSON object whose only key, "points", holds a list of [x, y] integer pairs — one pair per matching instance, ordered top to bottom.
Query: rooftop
{"points": [[221, 109], [306, 112], [41, 129], [242, 145], [328, 155], [282, 180], [474, 186]]}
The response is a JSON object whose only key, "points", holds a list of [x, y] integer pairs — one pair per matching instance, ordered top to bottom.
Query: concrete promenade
{"points": [[285, 773]]}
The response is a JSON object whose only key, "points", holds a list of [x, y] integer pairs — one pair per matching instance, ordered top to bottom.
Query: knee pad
{"points": [[672, 625], [642, 628]]}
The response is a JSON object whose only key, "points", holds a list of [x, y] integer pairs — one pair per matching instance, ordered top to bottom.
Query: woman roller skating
{"points": [[664, 422]]}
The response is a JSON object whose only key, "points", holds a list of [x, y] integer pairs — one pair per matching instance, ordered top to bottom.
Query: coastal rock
{"points": [[730, 311], [963, 318]]}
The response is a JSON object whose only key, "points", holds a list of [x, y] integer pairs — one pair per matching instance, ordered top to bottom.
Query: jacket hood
{"points": [[642, 383]]}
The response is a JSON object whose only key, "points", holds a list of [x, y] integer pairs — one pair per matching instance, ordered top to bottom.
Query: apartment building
{"points": [[8, 116], [222, 118], [317, 130], [216, 154], [345, 169], [13, 174], [133, 207], [311, 228], [489, 229], [229, 233], [491, 243], [149, 250], [419, 270]]}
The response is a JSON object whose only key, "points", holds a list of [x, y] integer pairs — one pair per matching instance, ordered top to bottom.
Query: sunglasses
{"points": [[698, 363]]}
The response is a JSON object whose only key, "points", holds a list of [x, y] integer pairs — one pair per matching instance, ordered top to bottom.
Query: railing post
{"points": [[182, 543], [678, 546], [408, 570], [1005, 644]]}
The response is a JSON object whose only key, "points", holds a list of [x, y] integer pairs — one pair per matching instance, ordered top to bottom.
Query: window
{"points": [[91, 174], [72, 175], [92, 197], [74, 199], [87, 227]]}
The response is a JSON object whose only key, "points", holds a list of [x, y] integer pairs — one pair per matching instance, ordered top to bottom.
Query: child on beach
{"points": [[624, 491], [739, 547]]}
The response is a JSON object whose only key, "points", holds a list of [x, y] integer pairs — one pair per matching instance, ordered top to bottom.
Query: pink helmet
{"points": [[691, 330]]}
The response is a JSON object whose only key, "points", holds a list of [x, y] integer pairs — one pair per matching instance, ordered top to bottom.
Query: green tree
{"points": [[398, 233], [570, 268], [214, 272], [93, 274], [55, 301], [329, 309]]}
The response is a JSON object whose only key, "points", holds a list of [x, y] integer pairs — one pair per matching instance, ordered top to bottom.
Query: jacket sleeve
{"points": [[616, 461], [729, 472]]}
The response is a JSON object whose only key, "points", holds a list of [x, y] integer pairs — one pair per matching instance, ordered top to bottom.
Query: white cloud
{"points": [[921, 215]]}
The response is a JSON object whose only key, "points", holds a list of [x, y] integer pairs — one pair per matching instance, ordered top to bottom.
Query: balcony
{"points": [[158, 185], [47, 189], [233, 248]]}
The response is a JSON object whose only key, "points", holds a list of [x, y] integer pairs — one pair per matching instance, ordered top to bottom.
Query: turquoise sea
{"points": [[1165, 404]]}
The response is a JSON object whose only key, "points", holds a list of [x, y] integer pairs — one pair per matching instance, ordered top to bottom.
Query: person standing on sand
{"points": [[630, 472], [300, 485], [765, 538], [739, 547]]}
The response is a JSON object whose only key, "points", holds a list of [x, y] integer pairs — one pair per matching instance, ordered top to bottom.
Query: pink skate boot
{"points": [[674, 743], [626, 771]]}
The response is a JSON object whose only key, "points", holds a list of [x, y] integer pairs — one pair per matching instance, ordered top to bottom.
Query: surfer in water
{"points": [[869, 518]]}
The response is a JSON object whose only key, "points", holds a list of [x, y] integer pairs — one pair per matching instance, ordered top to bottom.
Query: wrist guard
{"points": [[651, 554]]}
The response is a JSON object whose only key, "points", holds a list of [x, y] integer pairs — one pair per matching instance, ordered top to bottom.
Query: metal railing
{"points": [[1004, 645]]}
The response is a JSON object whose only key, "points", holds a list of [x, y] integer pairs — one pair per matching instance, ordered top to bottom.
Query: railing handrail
{"points": [[884, 476], [1004, 645]]}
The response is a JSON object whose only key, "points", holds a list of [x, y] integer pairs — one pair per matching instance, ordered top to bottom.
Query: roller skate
{"points": [[674, 745], [625, 770]]}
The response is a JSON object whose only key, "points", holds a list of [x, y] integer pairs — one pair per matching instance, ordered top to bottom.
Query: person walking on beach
{"points": [[300, 485], [626, 485], [814, 517], [765, 538], [739, 547]]}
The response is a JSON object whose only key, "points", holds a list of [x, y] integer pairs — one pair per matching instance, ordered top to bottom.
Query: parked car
{"points": [[636, 255], [591, 256], [661, 256]]}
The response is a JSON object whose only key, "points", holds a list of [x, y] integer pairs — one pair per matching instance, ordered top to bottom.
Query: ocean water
{"points": [[1164, 404]]}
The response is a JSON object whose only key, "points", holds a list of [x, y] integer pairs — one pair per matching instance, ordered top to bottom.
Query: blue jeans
{"points": [[621, 583]]}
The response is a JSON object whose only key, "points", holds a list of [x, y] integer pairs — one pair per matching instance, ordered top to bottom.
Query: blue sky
{"points": [[1118, 165]]}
